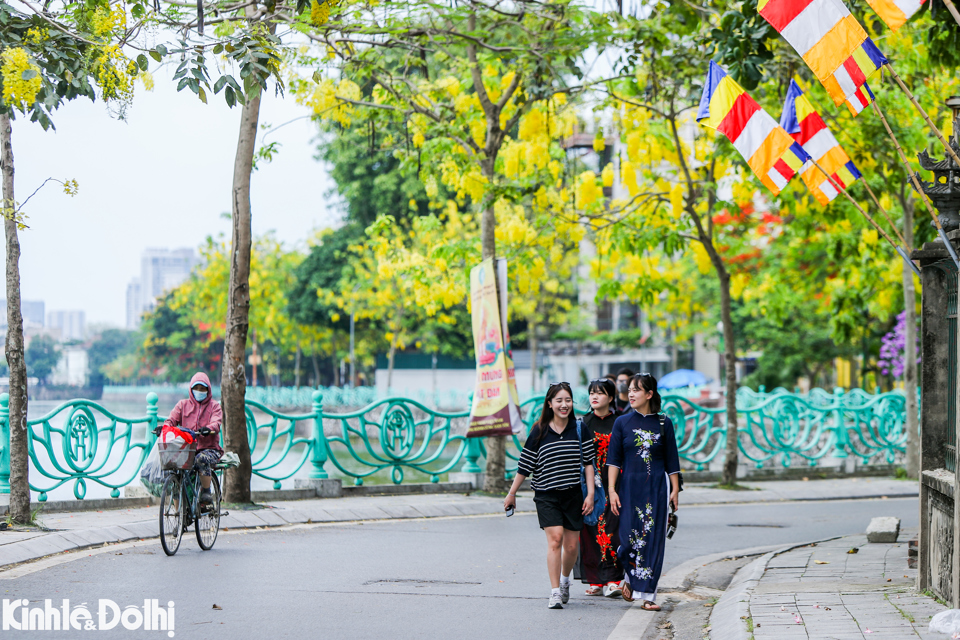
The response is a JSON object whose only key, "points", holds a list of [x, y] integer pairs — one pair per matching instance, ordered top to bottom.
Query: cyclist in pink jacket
{"points": [[201, 415]]}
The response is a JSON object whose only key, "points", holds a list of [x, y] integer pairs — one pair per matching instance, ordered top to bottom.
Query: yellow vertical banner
{"points": [[490, 414], [515, 422]]}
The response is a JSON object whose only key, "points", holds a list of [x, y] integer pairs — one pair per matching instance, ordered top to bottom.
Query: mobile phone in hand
{"points": [[510, 511]]}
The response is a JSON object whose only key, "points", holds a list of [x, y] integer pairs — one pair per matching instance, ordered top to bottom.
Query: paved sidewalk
{"points": [[789, 490], [822, 592]]}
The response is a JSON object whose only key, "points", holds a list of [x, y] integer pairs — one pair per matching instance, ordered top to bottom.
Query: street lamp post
{"points": [[353, 354]]}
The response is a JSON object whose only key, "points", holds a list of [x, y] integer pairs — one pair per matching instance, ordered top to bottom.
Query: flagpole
{"points": [[952, 8], [933, 127], [916, 185], [884, 212], [866, 215]]}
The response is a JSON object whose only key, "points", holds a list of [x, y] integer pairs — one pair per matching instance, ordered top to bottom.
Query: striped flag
{"points": [[895, 12], [830, 41], [860, 99], [805, 125], [770, 152]]}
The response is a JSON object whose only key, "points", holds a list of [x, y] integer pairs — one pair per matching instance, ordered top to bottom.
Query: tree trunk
{"points": [[674, 351], [910, 351], [390, 357], [533, 357], [316, 366], [296, 369], [730, 370], [233, 383], [19, 459], [494, 480]]}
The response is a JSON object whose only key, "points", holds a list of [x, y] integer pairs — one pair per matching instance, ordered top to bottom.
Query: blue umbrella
{"points": [[682, 378]]}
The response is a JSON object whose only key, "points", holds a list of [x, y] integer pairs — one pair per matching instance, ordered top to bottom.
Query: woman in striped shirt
{"points": [[552, 457]]}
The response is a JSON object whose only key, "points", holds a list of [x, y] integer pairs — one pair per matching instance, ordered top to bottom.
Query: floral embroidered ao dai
{"points": [[646, 457]]}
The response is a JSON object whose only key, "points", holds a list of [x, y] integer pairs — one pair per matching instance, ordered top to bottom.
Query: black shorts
{"points": [[560, 508]]}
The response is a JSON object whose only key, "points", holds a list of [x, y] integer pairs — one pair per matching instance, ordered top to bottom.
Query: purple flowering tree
{"points": [[893, 348]]}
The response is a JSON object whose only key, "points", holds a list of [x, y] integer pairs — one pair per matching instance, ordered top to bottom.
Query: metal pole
{"points": [[353, 355]]}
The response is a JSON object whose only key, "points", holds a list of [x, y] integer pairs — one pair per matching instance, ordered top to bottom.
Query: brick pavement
{"points": [[822, 592]]}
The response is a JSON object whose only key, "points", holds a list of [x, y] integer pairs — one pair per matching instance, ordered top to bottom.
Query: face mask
{"points": [[623, 387], [199, 396]]}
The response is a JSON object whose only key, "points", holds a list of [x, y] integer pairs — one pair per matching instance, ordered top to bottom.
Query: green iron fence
{"points": [[400, 439]]}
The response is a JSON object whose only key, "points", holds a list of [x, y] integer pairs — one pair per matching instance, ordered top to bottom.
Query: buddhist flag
{"points": [[895, 12], [830, 41], [860, 99], [802, 121], [770, 152]]}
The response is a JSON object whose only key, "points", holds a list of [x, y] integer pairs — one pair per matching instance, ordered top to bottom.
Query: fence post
{"points": [[151, 415], [843, 442], [4, 443], [318, 453], [472, 456]]}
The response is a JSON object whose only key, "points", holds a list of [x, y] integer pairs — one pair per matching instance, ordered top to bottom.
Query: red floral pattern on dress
{"points": [[601, 444], [603, 539]]}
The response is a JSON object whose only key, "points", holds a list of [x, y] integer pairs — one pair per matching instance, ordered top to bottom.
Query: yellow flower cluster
{"points": [[319, 13], [105, 21], [14, 63], [115, 73], [325, 100]]}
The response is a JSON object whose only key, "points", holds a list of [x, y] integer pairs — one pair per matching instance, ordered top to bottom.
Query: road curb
{"points": [[729, 615], [635, 622]]}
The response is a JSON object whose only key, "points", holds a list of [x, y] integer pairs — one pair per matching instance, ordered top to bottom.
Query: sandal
{"points": [[595, 590], [625, 591], [650, 606]]}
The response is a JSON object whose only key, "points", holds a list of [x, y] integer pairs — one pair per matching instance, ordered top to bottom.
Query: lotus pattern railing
{"points": [[82, 441]]}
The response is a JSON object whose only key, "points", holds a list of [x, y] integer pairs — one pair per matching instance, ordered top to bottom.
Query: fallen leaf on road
{"points": [[854, 550], [820, 562], [889, 579], [218, 607], [826, 608]]}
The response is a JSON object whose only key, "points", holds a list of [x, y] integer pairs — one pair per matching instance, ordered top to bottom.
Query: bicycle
{"points": [[180, 501]]}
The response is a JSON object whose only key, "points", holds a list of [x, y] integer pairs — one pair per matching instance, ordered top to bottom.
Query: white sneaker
{"points": [[612, 590], [564, 592], [555, 602]]}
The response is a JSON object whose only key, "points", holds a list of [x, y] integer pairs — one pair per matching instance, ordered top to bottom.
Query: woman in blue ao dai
{"points": [[643, 448]]}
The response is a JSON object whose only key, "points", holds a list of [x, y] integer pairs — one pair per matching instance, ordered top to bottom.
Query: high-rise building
{"points": [[160, 271], [134, 309], [32, 310], [71, 323]]}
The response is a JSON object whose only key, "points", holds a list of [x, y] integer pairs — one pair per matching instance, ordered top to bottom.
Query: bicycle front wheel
{"points": [[172, 506], [208, 521]]}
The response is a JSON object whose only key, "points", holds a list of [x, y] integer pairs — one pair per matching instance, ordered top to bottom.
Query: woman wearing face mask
{"points": [[622, 403], [202, 415], [643, 448], [552, 457], [599, 566]]}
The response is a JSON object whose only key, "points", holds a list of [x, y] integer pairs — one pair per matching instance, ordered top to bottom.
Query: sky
{"points": [[162, 178]]}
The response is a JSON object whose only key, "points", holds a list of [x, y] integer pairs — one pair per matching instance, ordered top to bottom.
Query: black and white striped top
{"points": [[553, 462]]}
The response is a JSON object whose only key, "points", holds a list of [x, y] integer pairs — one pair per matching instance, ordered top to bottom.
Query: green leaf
{"points": [[217, 49], [162, 50], [155, 55], [142, 62], [29, 74], [220, 83], [202, 94], [230, 96]]}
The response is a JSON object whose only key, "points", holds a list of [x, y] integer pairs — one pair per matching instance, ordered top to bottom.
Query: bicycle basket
{"points": [[176, 455]]}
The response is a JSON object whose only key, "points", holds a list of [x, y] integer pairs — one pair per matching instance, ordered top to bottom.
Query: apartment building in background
{"points": [[160, 271], [72, 323]]}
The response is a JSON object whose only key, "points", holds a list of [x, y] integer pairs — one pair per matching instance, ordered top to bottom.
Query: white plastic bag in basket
{"points": [[171, 443], [946, 622]]}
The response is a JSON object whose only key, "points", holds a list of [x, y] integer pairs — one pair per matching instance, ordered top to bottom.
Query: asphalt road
{"points": [[473, 577]]}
